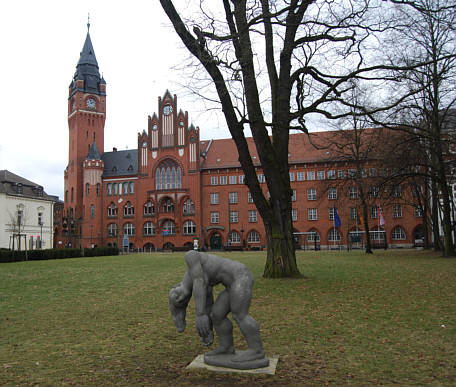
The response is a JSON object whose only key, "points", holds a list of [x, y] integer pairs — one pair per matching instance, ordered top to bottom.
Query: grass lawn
{"points": [[383, 319]]}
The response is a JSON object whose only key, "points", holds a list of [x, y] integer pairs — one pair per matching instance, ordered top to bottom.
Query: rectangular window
{"points": [[373, 172], [352, 173], [363, 173], [331, 174], [341, 174], [311, 175], [321, 175], [292, 176], [301, 176], [261, 178], [233, 179], [241, 179], [214, 180], [223, 180], [373, 191], [396, 191], [332, 193], [353, 193], [311, 194], [233, 197], [249, 197], [293, 197], [214, 198], [397, 211], [374, 212], [418, 212], [312, 213], [331, 213], [353, 213], [294, 215], [234, 216], [252, 216], [214, 217], [40, 218]]}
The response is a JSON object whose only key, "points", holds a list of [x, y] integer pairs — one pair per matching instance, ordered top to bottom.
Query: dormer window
{"points": [[19, 188]]}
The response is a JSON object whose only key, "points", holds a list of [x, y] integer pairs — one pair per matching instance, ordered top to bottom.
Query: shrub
{"points": [[36, 255]]}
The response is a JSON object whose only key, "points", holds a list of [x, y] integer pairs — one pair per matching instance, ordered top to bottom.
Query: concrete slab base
{"points": [[199, 363]]}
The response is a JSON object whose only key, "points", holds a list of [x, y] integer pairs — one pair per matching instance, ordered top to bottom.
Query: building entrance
{"points": [[216, 241]]}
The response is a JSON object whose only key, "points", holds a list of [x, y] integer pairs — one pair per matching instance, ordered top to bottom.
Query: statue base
{"points": [[226, 360], [199, 363]]}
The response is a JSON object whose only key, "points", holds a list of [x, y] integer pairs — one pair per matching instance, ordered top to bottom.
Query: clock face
{"points": [[91, 103], [167, 110], [181, 123], [154, 127], [144, 144]]}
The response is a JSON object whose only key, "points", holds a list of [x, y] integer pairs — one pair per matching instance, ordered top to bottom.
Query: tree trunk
{"points": [[281, 257]]}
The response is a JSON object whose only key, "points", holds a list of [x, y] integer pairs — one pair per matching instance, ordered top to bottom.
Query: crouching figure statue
{"points": [[203, 272]]}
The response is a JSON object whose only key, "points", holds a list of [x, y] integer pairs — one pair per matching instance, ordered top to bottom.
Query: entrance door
{"points": [[216, 241]]}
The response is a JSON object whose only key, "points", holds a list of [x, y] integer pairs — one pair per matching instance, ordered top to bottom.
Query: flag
{"points": [[359, 218], [381, 219], [337, 222]]}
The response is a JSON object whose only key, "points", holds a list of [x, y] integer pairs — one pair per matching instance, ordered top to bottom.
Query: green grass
{"points": [[384, 319]]}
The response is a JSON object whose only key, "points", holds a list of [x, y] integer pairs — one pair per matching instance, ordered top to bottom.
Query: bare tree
{"points": [[427, 36], [274, 63]]}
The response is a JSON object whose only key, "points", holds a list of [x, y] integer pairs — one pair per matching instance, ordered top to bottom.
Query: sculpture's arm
{"points": [[200, 292]]}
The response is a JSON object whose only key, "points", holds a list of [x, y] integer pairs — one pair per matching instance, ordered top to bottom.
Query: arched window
{"points": [[168, 175], [157, 179], [132, 187], [115, 188], [125, 188], [87, 189], [98, 189], [109, 189], [72, 194], [167, 205], [189, 207], [149, 209], [112, 210], [129, 210], [92, 211], [169, 227], [189, 227], [149, 228], [129, 229], [112, 230], [377, 234], [398, 234], [334, 235], [234, 237], [253, 237], [314, 237]]}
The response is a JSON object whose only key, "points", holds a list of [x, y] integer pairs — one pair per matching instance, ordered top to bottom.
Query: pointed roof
{"points": [[88, 53], [87, 68], [93, 153]]}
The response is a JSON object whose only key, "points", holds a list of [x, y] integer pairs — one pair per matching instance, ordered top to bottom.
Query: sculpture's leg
{"points": [[240, 297], [222, 325]]}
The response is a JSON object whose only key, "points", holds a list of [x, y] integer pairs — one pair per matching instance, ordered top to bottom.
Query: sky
{"points": [[137, 51]]}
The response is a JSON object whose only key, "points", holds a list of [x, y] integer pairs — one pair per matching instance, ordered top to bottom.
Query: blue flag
{"points": [[337, 222]]}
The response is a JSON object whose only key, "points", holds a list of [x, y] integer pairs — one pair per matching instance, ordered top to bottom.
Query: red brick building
{"points": [[175, 188]]}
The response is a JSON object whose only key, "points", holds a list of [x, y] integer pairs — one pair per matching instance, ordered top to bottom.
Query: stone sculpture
{"points": [[203, 272]]}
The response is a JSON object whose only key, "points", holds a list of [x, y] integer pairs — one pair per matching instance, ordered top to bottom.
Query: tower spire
{"points": [[88, 22]]}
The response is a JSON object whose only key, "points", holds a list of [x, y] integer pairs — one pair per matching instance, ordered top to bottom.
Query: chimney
{"points": [[114, 149]]}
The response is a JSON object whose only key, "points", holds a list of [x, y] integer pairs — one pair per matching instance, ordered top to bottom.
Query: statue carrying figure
{"points": [[203, 272]]}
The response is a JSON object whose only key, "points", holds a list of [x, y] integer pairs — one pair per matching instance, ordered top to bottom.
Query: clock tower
{"points": [[86, 120]]}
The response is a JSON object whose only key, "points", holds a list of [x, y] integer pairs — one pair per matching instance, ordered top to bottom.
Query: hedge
{"points": [[37, 255]]}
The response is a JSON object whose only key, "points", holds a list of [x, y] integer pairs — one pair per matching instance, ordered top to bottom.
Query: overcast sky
{"points": [[40, 44]]}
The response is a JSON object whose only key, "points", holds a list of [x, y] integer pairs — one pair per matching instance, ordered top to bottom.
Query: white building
{"points": [[26, 214]]}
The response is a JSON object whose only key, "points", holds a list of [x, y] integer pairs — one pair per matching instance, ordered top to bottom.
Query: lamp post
{"points": [[120, 200], [242, 236]]}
